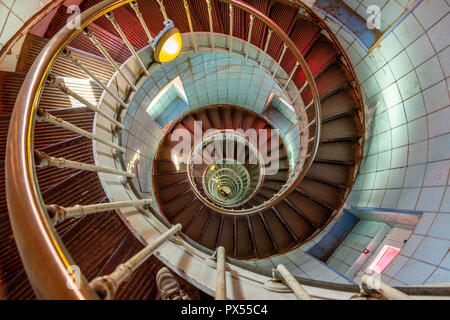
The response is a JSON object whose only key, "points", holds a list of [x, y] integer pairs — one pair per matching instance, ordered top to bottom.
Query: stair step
{"points": [[284, 16], [319, 58], [94, 61], [328, 82], [339, 104], [341, 127], [341, 152], [331, 173], [173, 191], [322, 192], [175, 206], [314, 211], [184, 216], [298, 225], [195, 227], [210, 231], [279, 233], [244, 244], [264, 244]]}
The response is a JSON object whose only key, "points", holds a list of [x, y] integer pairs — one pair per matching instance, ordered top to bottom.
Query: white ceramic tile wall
{"points": [[391, 10], [14, 14], [405, 86]]}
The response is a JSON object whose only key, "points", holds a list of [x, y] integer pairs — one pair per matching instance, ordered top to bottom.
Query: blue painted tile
{"points": [[441, 226], [411, 245], [432, 250], [415, 272], [439, 276]]}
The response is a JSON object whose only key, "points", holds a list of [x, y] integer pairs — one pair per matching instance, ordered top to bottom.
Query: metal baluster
{"points": [[135, 6], [163, 11], [188, 14], [110, 17], [211, 27], [269, 35], [249, 38], [230, 46], [105, 53], [68, 54], [279, 60], [291, 75], [58, 84], [304, 87], [296, 98], [309, 105], [43, 116], [309, 125], [302, 157], [44, 160], [59, 214], [283, 273], [220, 277], [106, 286], [386, 290]]}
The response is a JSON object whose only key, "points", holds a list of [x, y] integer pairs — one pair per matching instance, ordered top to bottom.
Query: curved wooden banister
{"points": [[45, 259]]}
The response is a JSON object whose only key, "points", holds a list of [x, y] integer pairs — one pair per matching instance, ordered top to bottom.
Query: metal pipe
{"points": [[135, 6], [163, 11], [110, 17], [211, 27], [191, 28], [269, 35], [249, 38], [230, 46], [285, 46], [105, 53], [68, 54], [291, 75], [61, 86], [304, 87], [297, 96], [309, 105], [43, 116], [308, 125], [303, 157], [43, 160], [59, 213], [220, 277], [290, 280], [106, 286], [384, 289]]}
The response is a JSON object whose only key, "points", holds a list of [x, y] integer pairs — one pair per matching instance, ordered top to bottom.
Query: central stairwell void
{"points": [[249, 141]]}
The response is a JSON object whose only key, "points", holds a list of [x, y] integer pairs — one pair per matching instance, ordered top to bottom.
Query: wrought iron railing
{"points": [[32, 220]]}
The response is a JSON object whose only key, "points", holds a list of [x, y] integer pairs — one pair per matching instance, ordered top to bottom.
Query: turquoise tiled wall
{"points": [[210, 78], [406, 163], [354, 244]]}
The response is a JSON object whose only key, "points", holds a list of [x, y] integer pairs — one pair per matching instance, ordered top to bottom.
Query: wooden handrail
{"points": [[45, 259]]}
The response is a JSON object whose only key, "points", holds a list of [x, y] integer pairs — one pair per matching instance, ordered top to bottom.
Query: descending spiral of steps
{"points": [[274, 231], [100, 242]]}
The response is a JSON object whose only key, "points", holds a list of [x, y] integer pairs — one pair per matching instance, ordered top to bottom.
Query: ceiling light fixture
{"points": [[167, 45]]}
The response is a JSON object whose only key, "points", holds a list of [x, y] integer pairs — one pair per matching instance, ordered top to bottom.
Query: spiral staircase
{"points": [[227, 203], [279, 229]]}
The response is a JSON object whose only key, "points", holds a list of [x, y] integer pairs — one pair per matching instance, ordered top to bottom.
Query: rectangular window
{"points": [[384, 258]]}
